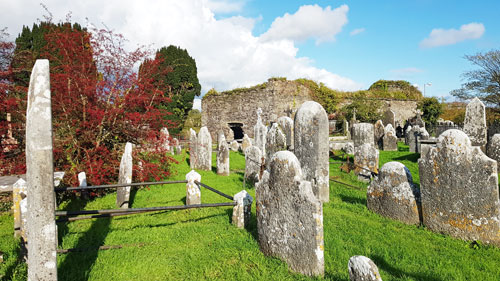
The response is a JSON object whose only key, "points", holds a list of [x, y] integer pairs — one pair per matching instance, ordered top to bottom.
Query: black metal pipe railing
{"points": [[59, 189], [214, 190]]}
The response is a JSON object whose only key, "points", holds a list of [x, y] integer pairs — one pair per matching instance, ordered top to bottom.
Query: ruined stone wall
{"points": [[276, 98], [403, 109]]}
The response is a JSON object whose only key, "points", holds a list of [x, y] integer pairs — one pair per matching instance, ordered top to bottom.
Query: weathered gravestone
{"points": [[390, 118], [475, 123], [286, 125], [345, 128], [379, 132], [260, 133], [362, 133], [407, 134], [416, 134], [165, 139], [193, 139], [275, 141], [390, 141], [245, 143], [177, 146], [235, 146], [311, 146], [494, 147], [203, 150], [222, 156], [366, 159], [253, 164], [125, 176], [459, 189], [193, 193], [392, 194], [20, 208], [242, 211], [289, 216], [41, 232], [362, 268]]}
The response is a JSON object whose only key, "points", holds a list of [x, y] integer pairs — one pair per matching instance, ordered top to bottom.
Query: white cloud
{"points": [[224, 6], [310, 21], [357, 31], [443, 37], [227, 54]]}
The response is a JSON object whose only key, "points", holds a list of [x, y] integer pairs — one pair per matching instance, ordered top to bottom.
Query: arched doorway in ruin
{"points": [[237, 129]]}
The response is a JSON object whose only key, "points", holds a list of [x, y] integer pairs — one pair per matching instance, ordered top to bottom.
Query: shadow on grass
{"points": [[410, 157], [133, 192], [353, 200], [75, 204], [169, 224], [77, 265], [400, 274]]}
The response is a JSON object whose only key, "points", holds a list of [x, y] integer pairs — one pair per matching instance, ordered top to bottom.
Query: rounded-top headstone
{"points": [[362, 268]]}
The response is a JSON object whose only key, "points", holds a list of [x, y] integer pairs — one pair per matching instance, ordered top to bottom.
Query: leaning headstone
{"points": [[390, 118], [475, 123], [286, 125], [379, 131], [260, 133], [362, 133], [193, 139], [275, 141], [245, 143], [235, 146], [311, 146], [494, 147], [204, 150], [222, 157], [366, 159], [253, 164], [125, 176], [459, 189], [193, 193], [392, 194], [242, 211], [289, 216], [42, 233], [362, 268]]}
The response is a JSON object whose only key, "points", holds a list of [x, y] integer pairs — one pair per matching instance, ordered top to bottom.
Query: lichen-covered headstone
{"points": [[475, 123], [286, 125], [379, 131], [260, 133], [362, 133], [416, 134], [193, 139], [275, 141], [390, 141], [245, 143], [235, 146], [311, 146], [494, 147], [204, 150], [222, 157], [366, 159], [253, 164], [125, 176], [459, 189], [193, 193], [392, 194], [242, 211], [289, 216], [42, 232], [362, 268]]}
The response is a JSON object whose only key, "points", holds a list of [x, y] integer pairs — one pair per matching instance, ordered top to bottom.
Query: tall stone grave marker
{"points": [[390, 118], [475, 123], [286, 126], [379, 132], [260, 133], [165, 138], [193, 139], [275, 141], [245, 143], [311, 146], [204, 150], [366, 155], [222, 156], [253, 164], [125, 176], [459, 189], [392, 194], [290, 216], [41, 232]]}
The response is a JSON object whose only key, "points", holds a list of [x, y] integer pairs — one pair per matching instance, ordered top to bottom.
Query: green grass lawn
{"points": [[202, 244]]}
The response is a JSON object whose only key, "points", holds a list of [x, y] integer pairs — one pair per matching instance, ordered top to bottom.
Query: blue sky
{"points": [[347, 45]]}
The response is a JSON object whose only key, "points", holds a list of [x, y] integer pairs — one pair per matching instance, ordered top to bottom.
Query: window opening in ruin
{"points": [[237, 130]]}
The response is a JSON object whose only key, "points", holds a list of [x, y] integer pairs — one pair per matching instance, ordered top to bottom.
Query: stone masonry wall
{"points": [[403, 109]]}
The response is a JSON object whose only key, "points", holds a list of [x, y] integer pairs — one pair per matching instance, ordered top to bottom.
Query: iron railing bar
{"points": [[115, 185], [214, 190]]}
